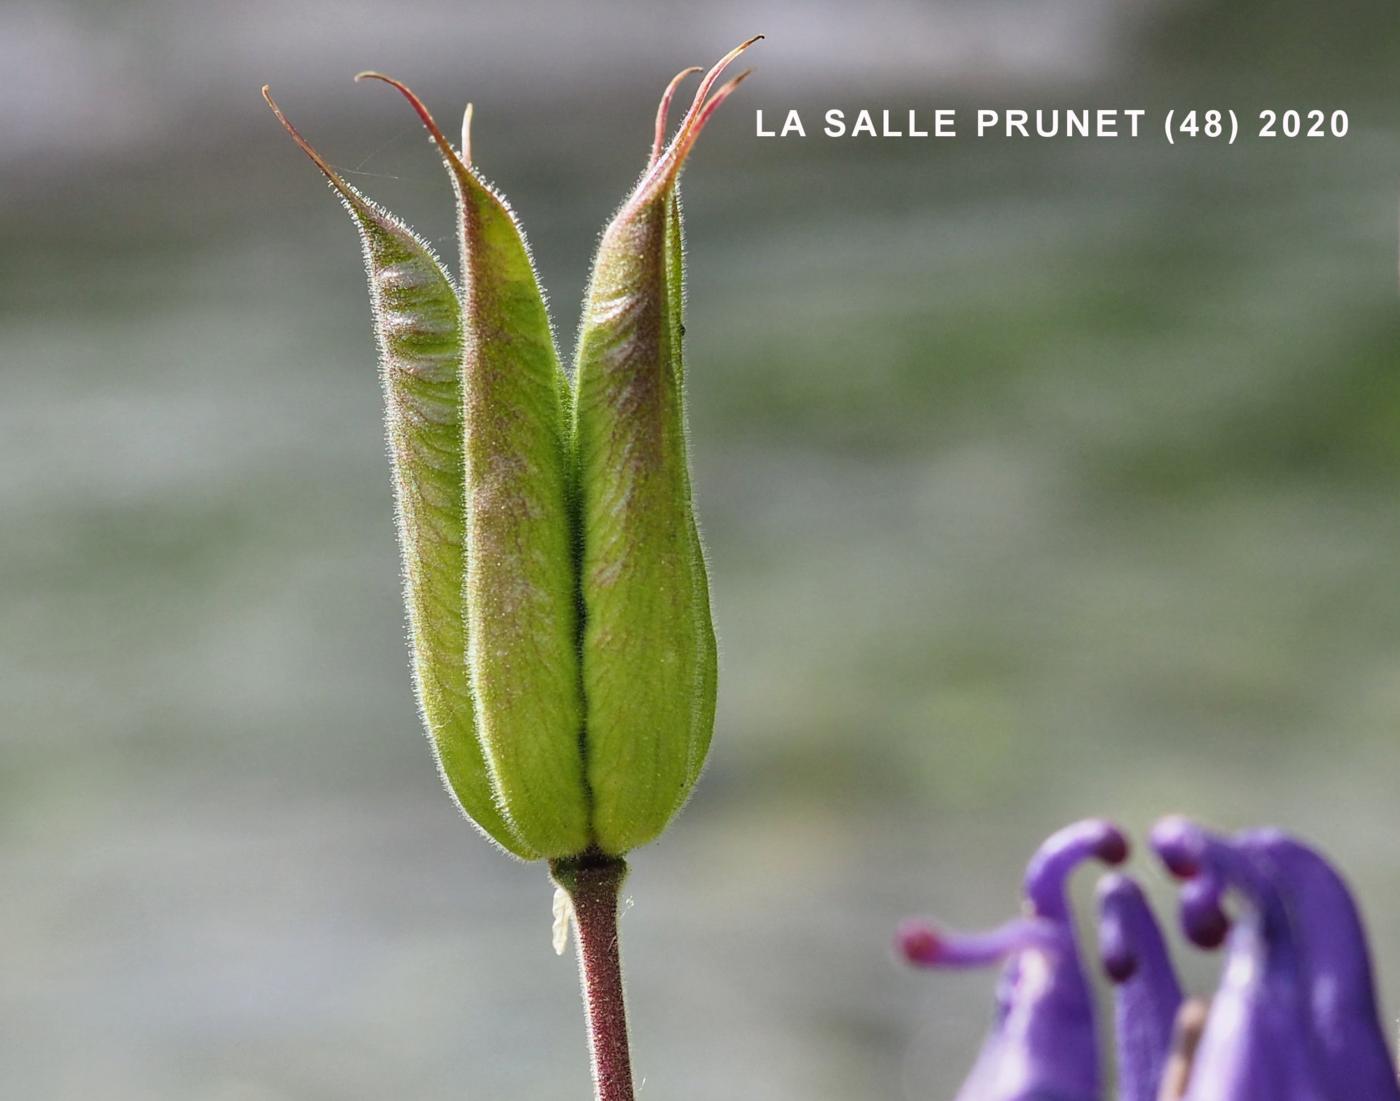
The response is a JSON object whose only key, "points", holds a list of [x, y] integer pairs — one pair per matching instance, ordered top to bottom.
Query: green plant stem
{"points": [[593, 883]]}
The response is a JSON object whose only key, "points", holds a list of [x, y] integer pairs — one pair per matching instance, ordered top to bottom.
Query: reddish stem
{"points": [[593, 883]]}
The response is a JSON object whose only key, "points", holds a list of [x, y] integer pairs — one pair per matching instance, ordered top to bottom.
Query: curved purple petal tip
{"points": [[1177, 841], [1048, 873], [1119, 899], [1203, 916], [918, 942], [927, 945], [1044, 1042]]}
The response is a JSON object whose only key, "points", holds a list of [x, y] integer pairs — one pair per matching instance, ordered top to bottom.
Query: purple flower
{"points": [[1295, 1018], [1256, 1045], [1042, 1046]]}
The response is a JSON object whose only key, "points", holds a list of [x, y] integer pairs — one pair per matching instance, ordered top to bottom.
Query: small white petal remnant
{"points": [[563, 912]]}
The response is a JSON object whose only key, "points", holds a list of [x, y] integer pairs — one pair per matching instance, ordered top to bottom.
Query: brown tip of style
{"points": [[434, 131], [659, 142], [310, 150], [666, 163]]}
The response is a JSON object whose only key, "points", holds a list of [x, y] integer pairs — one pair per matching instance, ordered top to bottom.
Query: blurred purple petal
{"points": [[1336, 964], [1147, 994], [1257, 1044], [1043, 1045]]}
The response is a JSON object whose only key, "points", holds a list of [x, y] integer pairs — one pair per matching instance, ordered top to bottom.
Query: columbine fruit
{"points": [[555, 579], [556, 585]]}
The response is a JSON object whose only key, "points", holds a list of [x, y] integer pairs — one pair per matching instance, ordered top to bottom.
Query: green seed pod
{"points": [[417, 324], [556, 585], [522, 600], [648, 642]]}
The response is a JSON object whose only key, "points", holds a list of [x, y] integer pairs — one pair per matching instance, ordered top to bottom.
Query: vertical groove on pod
{"points": [[648, 642], [703, 721]]}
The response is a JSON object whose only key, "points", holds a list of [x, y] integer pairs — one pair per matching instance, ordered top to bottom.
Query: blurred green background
{"points": [[1039, 479]]}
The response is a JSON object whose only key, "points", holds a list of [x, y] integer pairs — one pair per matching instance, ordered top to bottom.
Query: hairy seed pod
{"points": [[417, 324], [522, 600], [648, 643]]}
